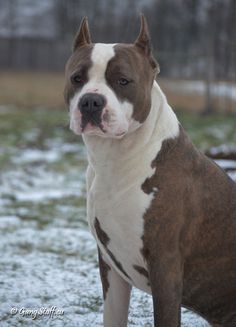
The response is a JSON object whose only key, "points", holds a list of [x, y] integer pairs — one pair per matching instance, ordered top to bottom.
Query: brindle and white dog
{"points": [[163, 215]]}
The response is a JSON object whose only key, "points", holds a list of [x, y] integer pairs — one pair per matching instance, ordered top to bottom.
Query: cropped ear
{"points": [[83, 36], [143, 41]]}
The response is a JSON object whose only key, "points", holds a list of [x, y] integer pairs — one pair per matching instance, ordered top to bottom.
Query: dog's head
{"points": [[108, 86]]}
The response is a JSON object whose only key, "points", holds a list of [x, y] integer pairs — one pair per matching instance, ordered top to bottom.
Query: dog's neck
{"points": [[144, 142]]}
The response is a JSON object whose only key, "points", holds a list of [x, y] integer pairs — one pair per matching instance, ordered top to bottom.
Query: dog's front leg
{"points": [[166, 284], [116, 295]]}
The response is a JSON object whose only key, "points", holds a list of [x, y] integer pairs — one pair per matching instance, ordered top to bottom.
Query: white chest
{"points": [[116, 202], [116, 205]]}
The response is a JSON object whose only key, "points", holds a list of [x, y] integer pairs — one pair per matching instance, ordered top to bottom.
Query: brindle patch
{"points": [[78, 64], [132, 64], [190, 231], [104, 239], [104, 269], [143, 272]]}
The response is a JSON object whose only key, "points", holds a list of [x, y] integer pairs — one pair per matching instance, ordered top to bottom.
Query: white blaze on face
{"points": [[116, 116]]}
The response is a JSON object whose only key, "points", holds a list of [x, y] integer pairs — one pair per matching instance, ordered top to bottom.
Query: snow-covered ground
{"points": [[48, 256]]}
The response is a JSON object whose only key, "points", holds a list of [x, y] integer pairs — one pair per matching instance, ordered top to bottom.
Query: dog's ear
{"points": [[83, 36], [143, 42]]}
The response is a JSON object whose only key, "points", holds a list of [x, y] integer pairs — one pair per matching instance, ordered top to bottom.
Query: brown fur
{"points": [[79, 63], [131, 63], [189, 239], [104, 270], [143, 272]]}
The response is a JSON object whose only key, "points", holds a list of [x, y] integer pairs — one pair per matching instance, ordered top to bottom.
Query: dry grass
{"points": [[31, 89], [194, 102]]}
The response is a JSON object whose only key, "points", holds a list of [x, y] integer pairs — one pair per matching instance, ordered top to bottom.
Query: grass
{"points": [[208, 131]]}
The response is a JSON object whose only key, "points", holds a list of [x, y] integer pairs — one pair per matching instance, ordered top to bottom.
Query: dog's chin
{"points": [[92, 130], [105, 134]]}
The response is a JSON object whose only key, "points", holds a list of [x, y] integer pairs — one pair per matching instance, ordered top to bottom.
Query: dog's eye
{"points": [[77, 79], [123, 81]]}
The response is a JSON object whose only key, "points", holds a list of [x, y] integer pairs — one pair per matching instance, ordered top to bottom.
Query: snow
{"points": [[223, 148], [30, 155], [226, 164], [229, 166], [37, 185]]}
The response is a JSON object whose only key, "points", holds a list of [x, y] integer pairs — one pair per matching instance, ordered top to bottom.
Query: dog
{"points": [[162, 213]]}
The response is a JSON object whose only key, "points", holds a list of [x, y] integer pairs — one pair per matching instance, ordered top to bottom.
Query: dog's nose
{"points": [[91, 102]]}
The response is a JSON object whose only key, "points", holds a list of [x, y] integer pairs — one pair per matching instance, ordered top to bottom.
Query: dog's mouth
{"points": [[92, 119], [95, 123]]}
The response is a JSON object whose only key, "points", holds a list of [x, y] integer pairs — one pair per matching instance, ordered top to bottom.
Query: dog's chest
{"points": [[116, 206]]}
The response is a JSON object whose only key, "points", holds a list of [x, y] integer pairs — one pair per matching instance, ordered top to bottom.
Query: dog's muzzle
{"points": [[91, 106]]}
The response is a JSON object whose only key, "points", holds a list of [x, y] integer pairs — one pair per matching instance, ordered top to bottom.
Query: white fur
{"points": [[120, 113], [117, 170], [116, 304]]}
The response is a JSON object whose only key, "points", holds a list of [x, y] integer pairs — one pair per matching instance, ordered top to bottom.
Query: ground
{"points": [[48, 256]]}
